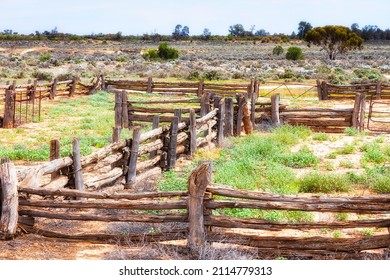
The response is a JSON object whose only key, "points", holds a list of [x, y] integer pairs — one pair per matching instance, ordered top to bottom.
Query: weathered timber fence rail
{"points": [[183, 88], [328, 91], [192, 211]]}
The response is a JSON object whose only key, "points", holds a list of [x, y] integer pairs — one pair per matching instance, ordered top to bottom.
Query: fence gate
{"points": [[27, 106], [379, 115]]}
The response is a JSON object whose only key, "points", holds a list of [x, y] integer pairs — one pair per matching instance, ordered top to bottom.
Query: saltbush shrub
{"points": [[278, 50], [163, 52], [294, 53]]}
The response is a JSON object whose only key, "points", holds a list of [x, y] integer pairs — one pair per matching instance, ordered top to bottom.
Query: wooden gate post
{"points": [[73, 86], [149, 88], [201, 88], [53, 89], [319, 90], [325, 91], [378, 91], [255, 95], [275, 102], [9, 109], [125, 109], [356, 111], [362, 112], [240, 114], [118, 117], [229, 117], [220, 121], [156, 123], [192, 132], [172, 143], [54, 154], [132, 170], [78, 177], [198, 181], [9, 198]]}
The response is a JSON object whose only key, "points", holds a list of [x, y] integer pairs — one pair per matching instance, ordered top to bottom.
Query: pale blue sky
{"points": [[147, 16]]}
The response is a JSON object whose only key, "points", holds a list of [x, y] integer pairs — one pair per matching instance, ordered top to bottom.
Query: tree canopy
{"points": [[334, 39]]}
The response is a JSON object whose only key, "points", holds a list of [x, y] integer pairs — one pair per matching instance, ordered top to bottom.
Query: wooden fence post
{"points": [[104, 84], [150, 85], [73, 86], [251, 87], [201, 88], [53, 89], [319, 89], [324, 91], [378, 91], [255, 95], [275, 102], [205, 104], [9, 109], [125, 110], [356, 111], [362, 112], [177, 113], [240, 113], [118, 117], [229, 117], [220, 121], [156, 123], [192, 132], [173, 143], [54, 154], [132, 170], [78, 177], [198, 181], [9, 200]]}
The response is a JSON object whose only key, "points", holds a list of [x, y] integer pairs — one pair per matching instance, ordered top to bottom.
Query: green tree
{"points": [[303, 28], [237, 30], [334, 39], [294, 53]]}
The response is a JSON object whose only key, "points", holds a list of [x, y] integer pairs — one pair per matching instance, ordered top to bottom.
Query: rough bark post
{"points": [[104, 85], [150, 85], [73, 86], [13, 87], [251, 87], [257, 87], [201, 88], [53, 89], [319, 90], [325, 91], [378, 91], [255, 95], [275, 102], [205, 104], [9, 109], [118, 109], [125, 110], [356, 111], [362, 112], [177, 113], [240, 113], [229, 117], [220, 121], [156, 123], [192, 132], [116, 134], [172, 143], [54, 154], [132, 170], [78, 177], [198, 181], [9, 198]]}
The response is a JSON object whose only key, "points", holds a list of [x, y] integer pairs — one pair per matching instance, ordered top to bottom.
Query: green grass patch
{"points": [[301, 159], [315, 182]]}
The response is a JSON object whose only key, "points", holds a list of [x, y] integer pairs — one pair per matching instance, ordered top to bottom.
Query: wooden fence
{"points": [[183, 88], [328, 91], [22, 103], [191, 215]]}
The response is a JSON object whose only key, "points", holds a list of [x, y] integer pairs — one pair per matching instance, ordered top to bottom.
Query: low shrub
{"points": [[278, 50], [163, 52], [294, 53], [42, 76], [320, 136], [303, 158], [315, 182]]}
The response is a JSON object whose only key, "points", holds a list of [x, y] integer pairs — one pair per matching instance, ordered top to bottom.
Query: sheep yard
{"points": [[290, 166]]}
